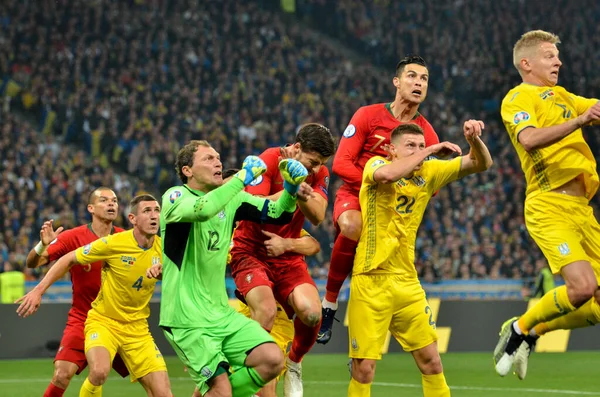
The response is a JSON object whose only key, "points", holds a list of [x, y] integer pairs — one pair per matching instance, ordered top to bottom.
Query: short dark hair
{"points": [[407, 60], [407, 128], [316, 138], [185, 156], [230, 172], [92, 197], [133, 204]]}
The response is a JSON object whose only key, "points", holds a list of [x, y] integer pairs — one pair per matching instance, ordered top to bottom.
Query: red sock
{"points": [[342, 260], [304, 339], [53, 391]]}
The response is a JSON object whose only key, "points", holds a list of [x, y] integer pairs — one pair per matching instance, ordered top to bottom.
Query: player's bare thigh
{"points": [[350, 224], [263, 306], [157, 384]]}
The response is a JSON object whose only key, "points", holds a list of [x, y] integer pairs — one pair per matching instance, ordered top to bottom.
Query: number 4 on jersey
{"points": [[138, 283]]}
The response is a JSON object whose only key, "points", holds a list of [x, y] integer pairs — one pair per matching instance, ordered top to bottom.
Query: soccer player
{"points": [[544, 123], [367, 135], [263, 279], [385, 292], [118, 321], [208, 335], [70, 358]]}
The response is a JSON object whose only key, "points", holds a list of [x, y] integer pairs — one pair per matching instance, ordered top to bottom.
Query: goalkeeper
{"points": [[207, 334]]}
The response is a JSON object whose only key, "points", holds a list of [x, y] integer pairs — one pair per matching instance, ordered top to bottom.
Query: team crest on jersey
{"points": [[521, 116], [349, 131], [376, 163], [257, 181], [174, 196], [221, 214], [87, 248], [564, 249], [128, 260], [155, 260], [249, 278], [94, 336], [354, 344], [206, 372]]}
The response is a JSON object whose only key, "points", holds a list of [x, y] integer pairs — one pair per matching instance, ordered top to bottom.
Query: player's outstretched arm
{"points": [[537, 138], [479, 158], [397, 170], [305, 245], [38, 256], [30, 302]]}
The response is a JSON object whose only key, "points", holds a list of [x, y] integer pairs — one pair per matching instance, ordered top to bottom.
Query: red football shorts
{"points": [[344, 200], [281, 276], [72, 349]]}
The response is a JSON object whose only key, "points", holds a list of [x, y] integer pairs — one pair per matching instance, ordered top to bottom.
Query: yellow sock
{"points": [[553, 304], [585, 316], [435, 386], [357, 389], [89, 390]]}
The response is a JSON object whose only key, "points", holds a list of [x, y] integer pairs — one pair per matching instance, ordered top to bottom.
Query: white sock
{"points": [[329, 305], [516, 328]]}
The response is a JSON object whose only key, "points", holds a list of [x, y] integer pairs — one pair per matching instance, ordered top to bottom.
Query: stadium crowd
{"points": [[115, 88]]}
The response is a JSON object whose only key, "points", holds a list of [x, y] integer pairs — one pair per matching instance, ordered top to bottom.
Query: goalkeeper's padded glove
{"points": [[252, 168], [293, 174]]}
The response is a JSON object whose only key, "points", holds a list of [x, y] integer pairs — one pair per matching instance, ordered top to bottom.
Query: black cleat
{"points": [[328, 315]]}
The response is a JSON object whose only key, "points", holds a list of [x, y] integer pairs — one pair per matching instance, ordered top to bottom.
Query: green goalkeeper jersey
{"points": [[196, 232]]}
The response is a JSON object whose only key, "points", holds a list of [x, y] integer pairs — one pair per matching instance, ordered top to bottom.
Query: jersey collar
{"points": [[388, 106], [194, 191], [89, 225]]}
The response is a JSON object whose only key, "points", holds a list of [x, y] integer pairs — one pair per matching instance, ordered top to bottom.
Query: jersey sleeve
{"points": [[582, 104], [518, 113], [351, 144], [373, 165], [442, 172], [321, 183], [261, 186], [261, 210], [62, 245], [94, 252]]}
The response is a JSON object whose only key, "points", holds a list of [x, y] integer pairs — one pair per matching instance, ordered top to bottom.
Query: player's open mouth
{"points": [[555, 73], [417, 92], [218, 173], [112, 212], [153, 224]]}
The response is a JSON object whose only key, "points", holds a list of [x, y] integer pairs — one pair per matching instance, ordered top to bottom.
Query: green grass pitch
{"points": [[468, 374]]}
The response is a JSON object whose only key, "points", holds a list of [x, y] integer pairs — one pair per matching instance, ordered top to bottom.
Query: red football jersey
{"points": [[369, 130], [248, 235], [86, 278]]}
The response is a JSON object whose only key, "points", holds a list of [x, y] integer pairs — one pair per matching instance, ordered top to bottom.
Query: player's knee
{"points": [[351, 228], [582, 292], [265, 315], [272, 361], [431, 365], [363, 371], [98, 374], [62, 377]]}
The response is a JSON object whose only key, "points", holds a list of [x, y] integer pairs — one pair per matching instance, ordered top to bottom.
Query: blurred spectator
{"points": [[12, 284]]}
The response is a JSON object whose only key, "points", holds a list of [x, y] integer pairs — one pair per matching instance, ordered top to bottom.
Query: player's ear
{"points": [[525, 65], [396, 81], [187, 171], [90, 208], [131, 218]]}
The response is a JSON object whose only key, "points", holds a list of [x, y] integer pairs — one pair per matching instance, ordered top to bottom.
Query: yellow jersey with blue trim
{"points": [[550, 167], [392, 213], [125, 291]]}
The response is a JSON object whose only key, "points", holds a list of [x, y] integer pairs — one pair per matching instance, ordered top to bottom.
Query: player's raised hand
{"points": [[591, 115], [473, 128], [444, 149], [252, 168], [293, 174], [305, 191], [47, 232], [275, 245], [155, 271], [29, 303]]}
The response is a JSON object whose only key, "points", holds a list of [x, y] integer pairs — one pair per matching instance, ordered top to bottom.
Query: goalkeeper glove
{"points": [[252, 168], [293, 174]]}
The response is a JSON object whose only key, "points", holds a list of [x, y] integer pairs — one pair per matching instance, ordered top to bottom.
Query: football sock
{"points": [[342, 260], [553, 304], [585, 316], [304, 339], [245, 382], [435, 386], [357, 389], [89, 390], [53, 391]]}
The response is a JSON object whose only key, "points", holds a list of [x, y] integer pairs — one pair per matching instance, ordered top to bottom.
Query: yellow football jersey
{"points": [[546, 169], [392, 213], [125, 291]]}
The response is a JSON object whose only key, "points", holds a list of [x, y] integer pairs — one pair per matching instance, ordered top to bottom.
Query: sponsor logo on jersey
{"points": [[546, 94], [521, 116], [349, 131], [377, 163], [418, 180], [257, 181], [174, 196], [105, 241], [87, 248], [564, 249], [128, 260], [155, 260], [206, 372]]}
